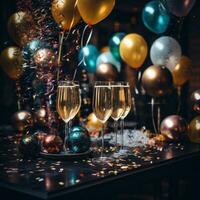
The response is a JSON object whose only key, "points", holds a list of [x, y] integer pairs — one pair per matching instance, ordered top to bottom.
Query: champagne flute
{"points": [[118, 93], [128, 102], [68, 104], [102, 107]]}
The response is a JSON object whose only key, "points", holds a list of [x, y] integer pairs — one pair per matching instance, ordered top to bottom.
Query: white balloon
{"points": [[165, 51], [107, 57]]}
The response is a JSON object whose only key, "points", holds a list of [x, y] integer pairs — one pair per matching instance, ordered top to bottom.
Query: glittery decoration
{"points": [[79, 140]]}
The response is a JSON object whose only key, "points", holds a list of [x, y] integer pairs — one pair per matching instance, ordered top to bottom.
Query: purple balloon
{"points": [[180, 8]]}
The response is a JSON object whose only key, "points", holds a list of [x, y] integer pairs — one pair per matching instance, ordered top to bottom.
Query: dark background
{"points": [[125, 17]]}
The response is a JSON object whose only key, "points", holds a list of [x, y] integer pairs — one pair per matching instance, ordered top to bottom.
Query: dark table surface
{"points": [[48, 179]]}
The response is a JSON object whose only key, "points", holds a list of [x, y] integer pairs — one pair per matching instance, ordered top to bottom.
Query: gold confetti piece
{"points": [[124, 167]]}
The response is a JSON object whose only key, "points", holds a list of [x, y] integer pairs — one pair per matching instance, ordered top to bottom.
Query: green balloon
{"points": [[114, 44]]}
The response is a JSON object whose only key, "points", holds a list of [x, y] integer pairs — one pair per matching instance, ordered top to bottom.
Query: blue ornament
{"points": [[155, 17], [114, 44], [32, 47], [88, 55], [107, 57], [79, 140]]}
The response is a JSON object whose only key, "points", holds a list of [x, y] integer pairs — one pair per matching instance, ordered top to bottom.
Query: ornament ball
{"points": [[195, 101], [22, 120], [174, 127], [79, 140], [52, 144]]}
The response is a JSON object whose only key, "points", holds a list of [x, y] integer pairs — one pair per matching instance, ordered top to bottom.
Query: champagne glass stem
{"points": [[115, 131], [122, 134], [66, 136], [102, 140]]}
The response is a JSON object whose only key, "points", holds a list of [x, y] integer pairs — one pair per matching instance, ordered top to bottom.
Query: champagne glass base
{"points": [[120, 153], [102, 160]]}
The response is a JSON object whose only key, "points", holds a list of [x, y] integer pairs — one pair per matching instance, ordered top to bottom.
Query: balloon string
{"points": [[180, 27], [61, 38], [82, 44], [139, 74], [18, 90], [179, 100], [152, 114], [158, 119]]}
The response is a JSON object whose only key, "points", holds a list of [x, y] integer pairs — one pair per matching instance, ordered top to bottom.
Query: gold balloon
{"points": [[93, 12], [65, 13], [21, 28], [133, 50], [11, 61], [106, 72], [182, 72], [157, 81], [22, 120], [194, 130]]}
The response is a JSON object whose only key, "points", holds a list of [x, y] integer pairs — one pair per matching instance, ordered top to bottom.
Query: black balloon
{"points": [[180, 8], [79, 140], [29, 147]]}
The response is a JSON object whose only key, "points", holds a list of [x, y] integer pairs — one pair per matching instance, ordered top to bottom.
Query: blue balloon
{"points": [[155, 17], [114, 44], [30, 49], [88, 55], [107, 57]]}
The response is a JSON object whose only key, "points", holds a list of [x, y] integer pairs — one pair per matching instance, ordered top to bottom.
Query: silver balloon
{"points": [[165, 51], [107, 57]]}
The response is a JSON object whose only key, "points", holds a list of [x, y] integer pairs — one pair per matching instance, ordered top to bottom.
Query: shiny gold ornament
{"points": [[93, 12], [65, 13], [21, 28], [133, 50], [11, 61], [106, 72], [182, 72], [157, 81], [195, 101], [40, 116], [22, 120], [93, 124], [174, 127], [194, 130], [52, 144]]}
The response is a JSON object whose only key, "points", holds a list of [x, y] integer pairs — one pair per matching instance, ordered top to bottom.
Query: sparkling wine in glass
{"points": [[128, 102], [68, 104], [118, 104], [102, 107]]}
